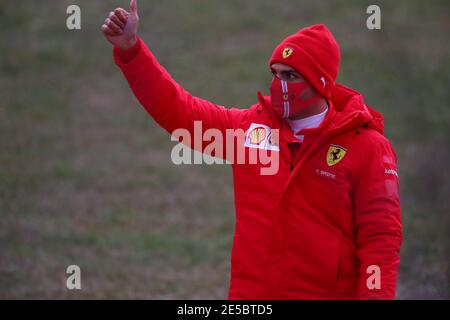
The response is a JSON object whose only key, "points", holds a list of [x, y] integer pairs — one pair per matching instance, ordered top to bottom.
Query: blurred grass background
{"points": [[86, 176]]}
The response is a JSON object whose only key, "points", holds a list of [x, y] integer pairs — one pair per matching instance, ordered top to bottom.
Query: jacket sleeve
{"points": [[166, 101], [378, 222]]}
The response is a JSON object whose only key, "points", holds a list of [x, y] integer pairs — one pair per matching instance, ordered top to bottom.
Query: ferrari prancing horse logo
{"points": [[287, 52], [335, 154]]}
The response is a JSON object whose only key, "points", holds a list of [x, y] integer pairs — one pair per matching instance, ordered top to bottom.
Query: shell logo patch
{"points": [[287, 52], [257, 135], [261, 136], [335, 154]]}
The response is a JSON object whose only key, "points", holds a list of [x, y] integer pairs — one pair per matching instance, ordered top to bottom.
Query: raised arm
{"points": [[166, 101]]}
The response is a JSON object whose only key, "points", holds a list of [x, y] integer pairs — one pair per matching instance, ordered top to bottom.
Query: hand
{"points": [[120, 28]]}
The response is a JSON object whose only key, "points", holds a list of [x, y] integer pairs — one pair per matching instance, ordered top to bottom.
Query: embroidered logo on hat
{"points": [[287, 52]]}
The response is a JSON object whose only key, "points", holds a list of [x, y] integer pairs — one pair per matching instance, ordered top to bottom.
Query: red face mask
{"points": [[286, 97]]}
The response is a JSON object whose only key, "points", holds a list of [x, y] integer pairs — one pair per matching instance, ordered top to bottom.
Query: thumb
{"points": [[133, 6]]}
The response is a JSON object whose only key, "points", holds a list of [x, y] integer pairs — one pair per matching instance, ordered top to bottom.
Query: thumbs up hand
{"points": [[121, 26]]}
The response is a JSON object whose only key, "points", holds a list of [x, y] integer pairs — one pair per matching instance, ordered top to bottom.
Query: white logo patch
{"points": [[260, 136], [391, 171]]}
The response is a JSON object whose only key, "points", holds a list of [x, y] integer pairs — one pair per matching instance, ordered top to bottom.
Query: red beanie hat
{"points": [[314, 53]]}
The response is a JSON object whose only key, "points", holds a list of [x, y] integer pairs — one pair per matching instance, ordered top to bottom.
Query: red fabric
{"points": [[129, 54], [315, 54], [311, 230]]}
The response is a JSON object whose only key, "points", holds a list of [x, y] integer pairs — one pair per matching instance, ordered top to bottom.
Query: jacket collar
{"points": [[347, 111]]}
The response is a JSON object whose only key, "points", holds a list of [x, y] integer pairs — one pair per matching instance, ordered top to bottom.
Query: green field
{"points": [[86, 176]]}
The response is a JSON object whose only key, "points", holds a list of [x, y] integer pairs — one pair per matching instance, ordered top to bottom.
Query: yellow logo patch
{"points": [[287, 52], [335, 154]]}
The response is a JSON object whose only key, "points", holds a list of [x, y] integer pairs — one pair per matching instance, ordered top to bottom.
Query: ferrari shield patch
{"points": [[287, 52], [335, 154]]}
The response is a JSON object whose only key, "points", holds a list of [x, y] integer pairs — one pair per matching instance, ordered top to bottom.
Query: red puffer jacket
{"points": [[331, 212]]}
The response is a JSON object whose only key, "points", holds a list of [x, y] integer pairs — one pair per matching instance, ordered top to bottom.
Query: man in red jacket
{"points": [[327, 224]]}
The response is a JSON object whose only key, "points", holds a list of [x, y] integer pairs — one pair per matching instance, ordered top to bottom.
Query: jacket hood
{"points": [[350, 111]]}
